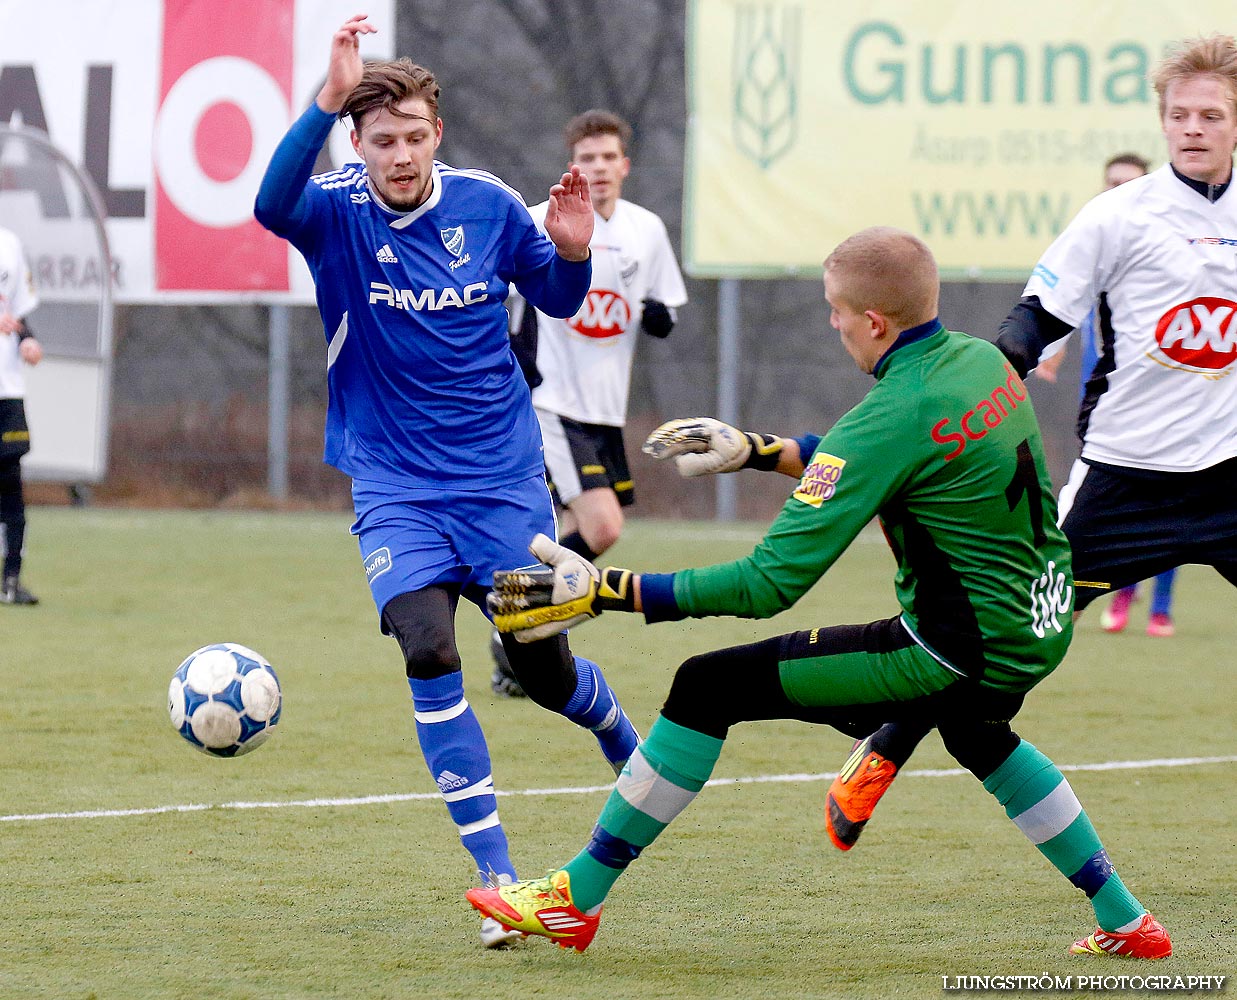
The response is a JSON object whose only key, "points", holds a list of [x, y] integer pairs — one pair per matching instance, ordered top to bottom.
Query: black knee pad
{"points": [[10, 478], [12, 511], [423, 623], [545, 669], [713, 691], [980, 746]]}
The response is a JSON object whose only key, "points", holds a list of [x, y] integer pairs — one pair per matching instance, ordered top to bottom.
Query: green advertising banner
{"points": [[981, 127]]}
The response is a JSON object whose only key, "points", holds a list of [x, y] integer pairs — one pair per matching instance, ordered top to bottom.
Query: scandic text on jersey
{"points": [[428, 299], [989, 412]]}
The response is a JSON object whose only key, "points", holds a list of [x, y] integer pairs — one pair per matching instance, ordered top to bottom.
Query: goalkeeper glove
{"points": [[656, 320], [702, 446], [537, 602]]}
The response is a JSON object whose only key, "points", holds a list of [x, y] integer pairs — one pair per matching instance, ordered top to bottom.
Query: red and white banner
{"points": [[174, 108]]}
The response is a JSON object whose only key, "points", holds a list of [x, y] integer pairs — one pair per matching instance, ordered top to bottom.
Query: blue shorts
{"points": [[413, 539]]}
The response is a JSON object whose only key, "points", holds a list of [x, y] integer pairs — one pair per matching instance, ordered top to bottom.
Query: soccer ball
{"points": [[225, 699]]}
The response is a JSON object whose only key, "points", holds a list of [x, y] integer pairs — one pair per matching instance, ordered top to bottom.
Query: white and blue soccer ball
{"points": [[225, 699]]}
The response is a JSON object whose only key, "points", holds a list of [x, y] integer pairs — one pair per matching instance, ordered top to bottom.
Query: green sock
{"points": [[662, 777], [1043, 806]]}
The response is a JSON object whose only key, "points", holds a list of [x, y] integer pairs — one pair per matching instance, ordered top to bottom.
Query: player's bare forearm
{"points": [[790, 462]]}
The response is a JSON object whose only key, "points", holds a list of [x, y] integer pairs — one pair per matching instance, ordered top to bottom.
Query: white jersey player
{"points": [[1152, 252], [18, 348], [585, 361], [580, 367], [1159, 415]]}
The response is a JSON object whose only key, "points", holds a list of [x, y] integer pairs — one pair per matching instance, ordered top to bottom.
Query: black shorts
{"points": [[14, 434], [581, 457], [1126, 525]]}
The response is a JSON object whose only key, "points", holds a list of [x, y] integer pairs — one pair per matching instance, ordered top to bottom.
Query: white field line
{"points": [[369, 800]]}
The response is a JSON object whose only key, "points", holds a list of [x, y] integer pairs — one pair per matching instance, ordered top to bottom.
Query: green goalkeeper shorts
{"points": [[859, 665]]}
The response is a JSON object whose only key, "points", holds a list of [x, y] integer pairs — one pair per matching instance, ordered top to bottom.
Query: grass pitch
{"points": [[322, 865]]}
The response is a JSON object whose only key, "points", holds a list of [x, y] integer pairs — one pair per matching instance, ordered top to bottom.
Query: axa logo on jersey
{"points": [[427, 299], [604, 314], [1200, 333]]}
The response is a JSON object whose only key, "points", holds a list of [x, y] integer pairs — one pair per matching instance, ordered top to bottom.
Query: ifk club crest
{"points": [[453, 240]]}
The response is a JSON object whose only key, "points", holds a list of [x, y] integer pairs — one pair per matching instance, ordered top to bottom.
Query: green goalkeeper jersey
{"points": [[946, 451]]}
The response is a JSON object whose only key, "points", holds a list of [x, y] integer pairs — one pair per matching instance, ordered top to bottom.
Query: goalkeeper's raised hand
{"points": [[702, 446], [536, 602]]}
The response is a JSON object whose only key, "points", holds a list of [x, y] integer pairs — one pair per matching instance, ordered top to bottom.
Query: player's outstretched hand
{"points": [[346, 66], [569, 215], [700, 446], [536, 602]]}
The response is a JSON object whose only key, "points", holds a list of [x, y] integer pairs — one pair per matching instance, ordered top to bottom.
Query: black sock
{"points": [[13, 524], [896, 741]]}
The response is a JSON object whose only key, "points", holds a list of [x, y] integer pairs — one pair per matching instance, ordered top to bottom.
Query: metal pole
{"points": [[728, 331], [277, 413]]}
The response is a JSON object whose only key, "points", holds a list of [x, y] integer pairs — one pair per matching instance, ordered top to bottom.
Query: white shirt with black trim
{"points": [[1166, 257], [18, 298], [585, 361]]}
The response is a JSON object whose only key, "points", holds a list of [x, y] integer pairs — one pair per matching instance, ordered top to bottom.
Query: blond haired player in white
{"points": [[18, 348], [580, 368], [1159, 415]]}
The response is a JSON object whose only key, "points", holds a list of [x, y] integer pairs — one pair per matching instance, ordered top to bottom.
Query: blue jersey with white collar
{"points": [[423, 388]]}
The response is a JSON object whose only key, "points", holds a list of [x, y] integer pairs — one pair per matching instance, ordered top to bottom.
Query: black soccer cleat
{"points": [[12, 592], [502, 680]]}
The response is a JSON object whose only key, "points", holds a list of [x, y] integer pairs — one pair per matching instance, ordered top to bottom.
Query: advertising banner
{"points": [[173, 108], [981, 127]]}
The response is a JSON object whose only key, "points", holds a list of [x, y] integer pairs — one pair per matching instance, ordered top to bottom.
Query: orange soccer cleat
{"points": [[852, 797], [1148, 940]]}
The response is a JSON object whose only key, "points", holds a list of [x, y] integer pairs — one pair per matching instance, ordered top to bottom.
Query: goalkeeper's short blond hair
{"points": [[888, 271]]}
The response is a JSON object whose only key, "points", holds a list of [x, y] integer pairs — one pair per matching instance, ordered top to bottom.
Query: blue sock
{"points": [[1162, 593], [595, 707], [459, 761]]}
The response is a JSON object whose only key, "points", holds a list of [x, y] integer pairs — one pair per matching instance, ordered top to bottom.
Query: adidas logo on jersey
{"points": [[386, 255], [448, 780]]}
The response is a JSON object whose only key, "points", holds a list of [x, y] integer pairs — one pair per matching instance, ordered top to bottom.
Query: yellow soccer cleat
{"points": [[542, 906]]}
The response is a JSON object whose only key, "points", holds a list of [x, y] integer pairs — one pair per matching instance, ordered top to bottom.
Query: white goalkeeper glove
{"points": [[702, 446], [537, 602]]}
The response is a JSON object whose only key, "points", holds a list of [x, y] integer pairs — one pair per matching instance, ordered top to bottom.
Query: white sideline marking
{"points": [[370, 800]]}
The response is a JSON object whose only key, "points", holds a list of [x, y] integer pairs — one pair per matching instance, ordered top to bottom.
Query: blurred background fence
{"points": [[190, 382]]}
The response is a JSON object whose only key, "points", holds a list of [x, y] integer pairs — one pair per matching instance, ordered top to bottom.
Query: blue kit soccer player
{"points": [[428, 412]]}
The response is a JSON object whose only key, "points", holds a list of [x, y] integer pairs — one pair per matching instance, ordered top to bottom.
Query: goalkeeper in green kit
{"points": [[945, 450]]}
